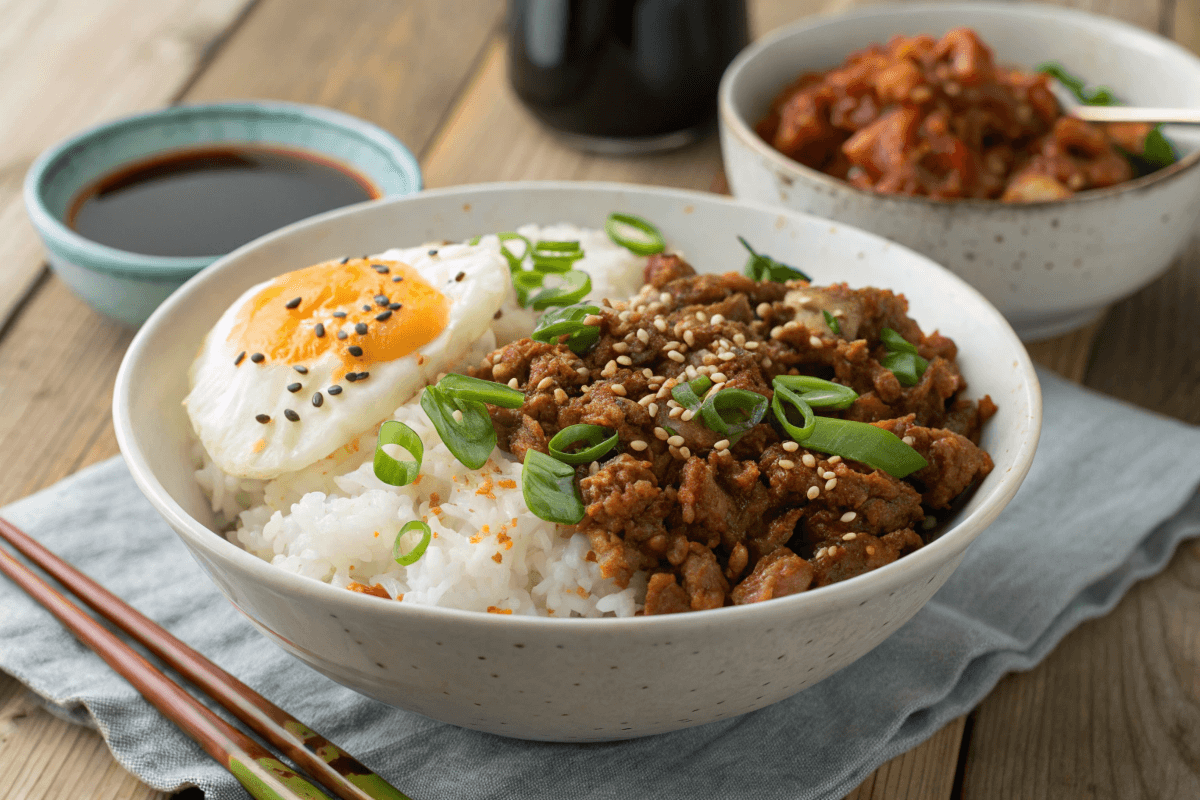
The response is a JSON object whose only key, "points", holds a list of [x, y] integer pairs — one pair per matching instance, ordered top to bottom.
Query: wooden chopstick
{"points": [[323, 760]]}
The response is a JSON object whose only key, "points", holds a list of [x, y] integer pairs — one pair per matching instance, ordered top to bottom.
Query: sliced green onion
{"points": [[1157, 152], [648, 246], [552, 256], [514, 260], [763, 267], [525, 281], [576, 285], [568, 321], [832, 322], [902, 358], [468, 388], [817, 392], [688, 394], [782, 395], [732, 412], [595, 436], [471, 439], [859, 441], [395, 472], [549, 489], [413, 555]]}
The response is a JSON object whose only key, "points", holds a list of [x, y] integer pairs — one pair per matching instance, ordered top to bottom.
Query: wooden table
{"points": [[1113, 712]]}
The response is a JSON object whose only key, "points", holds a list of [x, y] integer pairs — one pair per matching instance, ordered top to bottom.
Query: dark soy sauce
{"points": [[622, 70], [208, 201]]}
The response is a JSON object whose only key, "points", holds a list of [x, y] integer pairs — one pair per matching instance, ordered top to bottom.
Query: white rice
{"points": [[336, 522]]}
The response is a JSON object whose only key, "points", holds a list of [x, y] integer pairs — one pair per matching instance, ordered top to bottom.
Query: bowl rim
{"points": [[736, 125], [103, 258], [942, 550]]}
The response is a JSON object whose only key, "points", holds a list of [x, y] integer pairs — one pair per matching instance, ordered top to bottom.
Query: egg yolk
{"points": [[389, 312]]}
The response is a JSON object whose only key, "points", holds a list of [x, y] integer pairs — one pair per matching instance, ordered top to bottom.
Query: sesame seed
{"points": [[433, 252], [344, 260], [380, 268], [459, 276], [397, 278], [664, 297], [293, 303], [395, 306], [763, 309], [340, 314], [700, 315], [383, 316], [623, 316], [593, 319], [717, 319], [660, 324], [361, 328], [319, 330], [777, 331], [342, 334], [643, 336], [690, 338], [739, 339], [815, 341], [751, 345], [621, 347], [355, 350], [676, 356], [726, 356], [241, 357], [258, 358], [625, 361], [766, 362], [583, 372], [692, 372], [647, 373], [362, 376], [351, 377], [718, 377], [512, 383], [545, 383], [294, 387], [618, 389], [334, 390], [560, 396], [318, 400], [647, 400], [652, 409], [675, 413], [291, 415], [458, 415], [687, 415], [263, 418], [661, 434], [908, 440], [676, 441], [638, 444], [723, 444], [791, 447], [686, 453], [835, 459], [809, 460], [787, 463], [594, 467], [827, 475], [831, 484], [813, 492], [849, 516], [849, 537], [870, 550], [821, 553]]}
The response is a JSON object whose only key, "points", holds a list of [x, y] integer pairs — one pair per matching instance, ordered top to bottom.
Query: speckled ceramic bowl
{"points": [[1048, 267], [129, 286], [573, 679]]}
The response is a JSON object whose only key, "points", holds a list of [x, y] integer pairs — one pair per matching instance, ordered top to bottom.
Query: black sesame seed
{"points": [[433, 252], [344, 260], [380, 268], [459, 276], [397, 278], [381, 299], [293, 303], [395, 306], [366, 308], [340, 314], [498, 314], [384, 316], [361, 328], [319, 329], [342, 334], [355, 350], [241, 357], [258, 358], [303, 370], [362, 376], [351, 377], [294, 387], [335, 389], [318, 399], [291, 415], [263, 418]]}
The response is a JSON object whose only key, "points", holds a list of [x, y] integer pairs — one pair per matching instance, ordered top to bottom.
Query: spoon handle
{"points": [[1135, 114]]}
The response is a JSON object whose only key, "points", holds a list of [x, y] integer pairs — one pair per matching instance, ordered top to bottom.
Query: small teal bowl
{"points": [[129, 286]]}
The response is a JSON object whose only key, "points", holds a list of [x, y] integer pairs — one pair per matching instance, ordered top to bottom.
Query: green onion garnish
{"points": [[652, 242], [552, 256], [514, 260], [763, 267], [525, 281], [576, 284], [568, 321], [832, 322], [902, 358], [468, 388], [817, 392], [688, 394], [782, 395], [732, 412], [595, 436], [470, 439], [859, 441], [392, 471], [549, 489], [413, 555]]}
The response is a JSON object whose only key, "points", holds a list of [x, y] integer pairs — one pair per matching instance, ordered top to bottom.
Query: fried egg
{"points": [[302, 364]]}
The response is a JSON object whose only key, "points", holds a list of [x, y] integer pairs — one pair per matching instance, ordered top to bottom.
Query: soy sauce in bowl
{"points": [[207, 201]]}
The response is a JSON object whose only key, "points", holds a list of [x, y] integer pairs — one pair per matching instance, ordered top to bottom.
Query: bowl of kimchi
{"points": [[933, 126]]}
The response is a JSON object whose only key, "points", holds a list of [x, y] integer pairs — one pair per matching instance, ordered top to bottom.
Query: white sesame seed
{"points": [[664, 298], [763, 309], [839, 313], [700, 315], [623, 316], [593, 319], [717, 319], [660, 324], [791, 325], [777, 331], [643, 336], [690, 338], [739, 339], [815, 341], [751, 345], [621, 347], [676, 356], [726, 356], [708, 358], [624, 361], [766, 362], [583, 372], [692, 372], [647, 373], [718, 377], [512, 382], [545, 383], [716, 387], [618, 389], [560, 396], [647, 400], [652, 409], [675, 413], [458, 415], [687, 415], [661, 434], [676, 440], [908, 440], [638, 444], [723, 444], [791, 447], [683, 451], [835, 459], [809, 460], [786, 463], [594, 468], [827, 475], [831, 484], [813, 492], [849, 516], [849, 537], [821, 553]]}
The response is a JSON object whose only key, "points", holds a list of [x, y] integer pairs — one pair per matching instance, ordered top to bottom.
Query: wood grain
{"points": [[69, 64], [924, 772]]}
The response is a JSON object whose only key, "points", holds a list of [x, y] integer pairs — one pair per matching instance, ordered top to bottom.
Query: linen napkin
{"points": [[1097, 512]]}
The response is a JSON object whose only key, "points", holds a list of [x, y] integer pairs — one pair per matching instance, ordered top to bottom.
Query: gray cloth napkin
{"points": [[1111, 494]]}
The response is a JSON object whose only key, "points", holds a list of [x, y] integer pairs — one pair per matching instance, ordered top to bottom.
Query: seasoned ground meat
{"points": [[717, 522]]}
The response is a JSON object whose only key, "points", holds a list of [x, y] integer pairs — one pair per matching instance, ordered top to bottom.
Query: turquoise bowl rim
{"points": [[96, 257]]}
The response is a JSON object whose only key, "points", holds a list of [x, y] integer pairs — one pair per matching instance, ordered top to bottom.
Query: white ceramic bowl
{"points": [[1048, 267], [573, 679]]}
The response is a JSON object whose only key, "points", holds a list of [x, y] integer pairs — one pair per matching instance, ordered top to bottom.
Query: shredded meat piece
{"points": [[717, 519]]}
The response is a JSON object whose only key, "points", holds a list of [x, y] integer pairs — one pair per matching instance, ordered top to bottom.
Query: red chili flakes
{"points": [[507, 484], [497, 557], [374, 591], [498, 610]]}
